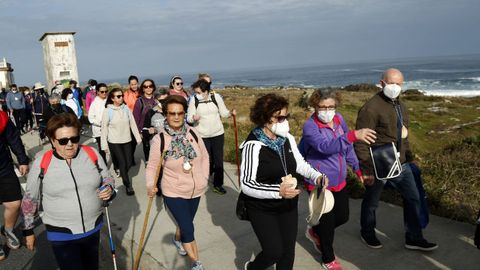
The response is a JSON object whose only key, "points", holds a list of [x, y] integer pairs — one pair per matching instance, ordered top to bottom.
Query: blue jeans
{"points": [[405, 184], [183, 210]]}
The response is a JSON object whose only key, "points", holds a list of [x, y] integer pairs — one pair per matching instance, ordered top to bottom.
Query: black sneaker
{"points": [[219, 190], [130, 191], [371, 241], [423, 245]]}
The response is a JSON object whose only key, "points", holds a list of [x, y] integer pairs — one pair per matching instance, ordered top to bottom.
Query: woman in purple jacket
{"points": [[144, 103], [328, 147]]}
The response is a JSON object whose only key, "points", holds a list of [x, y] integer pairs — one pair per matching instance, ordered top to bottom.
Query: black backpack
{"points": [[212, 99]]}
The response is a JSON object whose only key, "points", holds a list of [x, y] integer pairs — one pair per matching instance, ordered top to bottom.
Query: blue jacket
{"points": [[40, 102], [10, 138], [330, 150]]}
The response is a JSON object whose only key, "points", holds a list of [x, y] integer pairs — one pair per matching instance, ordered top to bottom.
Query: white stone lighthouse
{"points": [[59, 57], [6, 75]]}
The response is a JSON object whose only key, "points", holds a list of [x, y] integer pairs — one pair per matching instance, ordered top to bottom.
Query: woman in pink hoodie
{"points": [[184, 174]]}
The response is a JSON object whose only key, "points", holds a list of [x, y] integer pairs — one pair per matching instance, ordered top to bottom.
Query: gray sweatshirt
{"points": [[15, 101], [69, 192]]}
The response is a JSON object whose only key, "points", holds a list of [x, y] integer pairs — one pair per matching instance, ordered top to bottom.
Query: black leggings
{"points": [[146, 144], [214, 147], [102, 153], [122, 154], [328, 222], [277, 233], [80, 254]]}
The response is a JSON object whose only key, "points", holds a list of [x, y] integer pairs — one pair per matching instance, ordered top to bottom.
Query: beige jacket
{"points": [[117, 125]]}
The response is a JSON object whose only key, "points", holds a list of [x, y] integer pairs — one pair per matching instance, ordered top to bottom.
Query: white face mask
{"points": [[392, 90], [70, 96], [199, 97], [326, 116], [281, 129]]}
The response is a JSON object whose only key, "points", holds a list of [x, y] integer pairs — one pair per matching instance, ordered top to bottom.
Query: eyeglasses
{"points": [[179, 83], [148, 86], [102, 92], [119, 96], [326, 108], [175, 113], [281, 118], [64, 141]]}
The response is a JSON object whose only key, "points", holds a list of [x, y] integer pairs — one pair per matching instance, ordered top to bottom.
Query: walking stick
{"points": [[236, 147], [145, 221], [112, 245]]}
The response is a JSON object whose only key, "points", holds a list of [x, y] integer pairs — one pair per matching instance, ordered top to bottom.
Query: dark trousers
{"points": [[19, 116], [28, 119], [133, 144], [146, 144], [214, 147], [102, 153], [122, 154], [405, 184], [183, 210], [329, 221], [277, 233], [80, 254]]}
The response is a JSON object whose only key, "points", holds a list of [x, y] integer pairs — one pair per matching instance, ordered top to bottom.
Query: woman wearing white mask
{"points": [[205, 110], [328, 144], [269, 159]]}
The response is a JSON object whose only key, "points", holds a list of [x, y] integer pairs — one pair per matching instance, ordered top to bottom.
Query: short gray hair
{"points": [[54, 97]]}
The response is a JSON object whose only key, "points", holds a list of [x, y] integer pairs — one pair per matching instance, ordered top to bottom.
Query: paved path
{"points": [[226, 243]]}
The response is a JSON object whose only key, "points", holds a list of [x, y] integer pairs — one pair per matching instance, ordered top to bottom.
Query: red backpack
{"points": [[47, 158]]}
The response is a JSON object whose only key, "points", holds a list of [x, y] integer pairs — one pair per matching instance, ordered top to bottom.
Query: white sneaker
{"points": [[179, 247], [197, 266]]}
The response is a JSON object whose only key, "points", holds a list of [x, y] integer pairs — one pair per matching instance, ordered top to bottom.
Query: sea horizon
{"points": [[438, 76]]}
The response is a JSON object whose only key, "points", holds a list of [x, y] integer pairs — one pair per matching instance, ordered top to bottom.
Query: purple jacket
{"points": [[142, 106], [330, 150]]}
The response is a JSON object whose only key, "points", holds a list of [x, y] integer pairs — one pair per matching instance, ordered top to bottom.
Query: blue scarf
{"points": [[276, 145]]}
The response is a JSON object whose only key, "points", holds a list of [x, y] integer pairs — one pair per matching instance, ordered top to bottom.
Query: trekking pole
{"points": [[236, 147], [145, 221], [110, 238]]}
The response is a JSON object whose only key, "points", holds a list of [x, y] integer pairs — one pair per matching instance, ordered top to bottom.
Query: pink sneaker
{"points": [[313, 237], [334, 265]]}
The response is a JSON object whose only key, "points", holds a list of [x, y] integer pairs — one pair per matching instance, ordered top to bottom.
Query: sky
{"points": [[117, 38]]}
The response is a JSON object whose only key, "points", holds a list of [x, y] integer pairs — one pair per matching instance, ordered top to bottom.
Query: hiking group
{"points": [[182, 135]]}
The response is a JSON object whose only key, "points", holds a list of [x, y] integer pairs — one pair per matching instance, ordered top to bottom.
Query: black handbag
{"points": [[386, 161], [241, 209]]}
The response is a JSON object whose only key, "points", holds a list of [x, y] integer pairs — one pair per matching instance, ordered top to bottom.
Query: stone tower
{"points": [[59, 57], [6, 75]]}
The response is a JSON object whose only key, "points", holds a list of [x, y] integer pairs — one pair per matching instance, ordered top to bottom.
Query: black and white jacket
{"points": [[261, 172]]}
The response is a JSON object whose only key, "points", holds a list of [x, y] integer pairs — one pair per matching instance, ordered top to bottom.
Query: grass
{"points": [[447, 152]]}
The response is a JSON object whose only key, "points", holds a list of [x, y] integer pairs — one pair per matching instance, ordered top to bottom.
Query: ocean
{"points": [[441, 76]]}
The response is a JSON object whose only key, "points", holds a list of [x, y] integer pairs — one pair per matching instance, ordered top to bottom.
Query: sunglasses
{"points": [[179, 83], [148, 86], [102, 92], [119, 96], [326, 108], [175, 113], [282, 118], [64, 141]]}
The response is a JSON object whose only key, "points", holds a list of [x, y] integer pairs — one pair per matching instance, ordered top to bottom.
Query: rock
{"points": [[362, 87], [437, 109]]}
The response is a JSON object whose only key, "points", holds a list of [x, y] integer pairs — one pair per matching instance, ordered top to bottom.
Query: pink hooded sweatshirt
{"points": [[175, 183]]}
